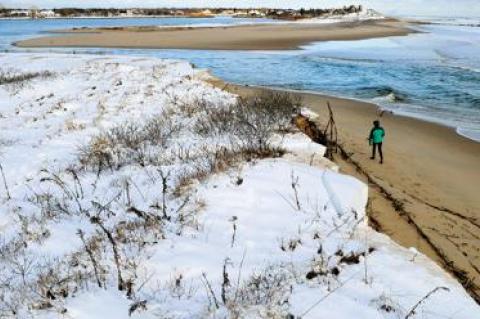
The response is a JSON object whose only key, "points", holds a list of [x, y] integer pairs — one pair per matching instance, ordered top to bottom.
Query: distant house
{"points": [[33, 12], [134, 12], [228, 12], [20, 13], [241, 13], [256, 13], [46, 14], [203, 14]]}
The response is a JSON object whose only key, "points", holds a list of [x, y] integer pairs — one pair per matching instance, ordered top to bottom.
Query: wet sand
{"points": [[247, 37], [427, 193]]}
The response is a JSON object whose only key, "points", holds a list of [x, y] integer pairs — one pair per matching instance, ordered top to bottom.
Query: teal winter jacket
{"points": [[376, 135]]}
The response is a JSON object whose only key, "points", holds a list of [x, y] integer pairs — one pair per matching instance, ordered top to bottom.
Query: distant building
{"points": [[134, 11], [33, 12], [228, 12], [20, 13], [256, 13], [46, 14]]}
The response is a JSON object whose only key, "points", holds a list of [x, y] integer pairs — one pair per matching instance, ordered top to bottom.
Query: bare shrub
{"points": [[13, 76], [275, 109], [216, 122], [251, 122], [246, 127], [159, 130], [128, 143], [121, 144], [97, 153], [67, 202], [52, 283], [271, 289]]}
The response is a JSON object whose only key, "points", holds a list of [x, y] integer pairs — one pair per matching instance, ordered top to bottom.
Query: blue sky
{"points": [[393, 7]]}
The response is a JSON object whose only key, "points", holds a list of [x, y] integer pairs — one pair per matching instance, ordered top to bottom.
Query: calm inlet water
{"points": [[434, 75]]}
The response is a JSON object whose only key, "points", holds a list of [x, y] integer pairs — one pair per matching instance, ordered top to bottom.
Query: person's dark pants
{"points": [[374, 148]]}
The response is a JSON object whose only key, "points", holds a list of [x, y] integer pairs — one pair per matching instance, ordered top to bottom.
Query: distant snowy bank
{"points": [[363, 15], [132, 188]]}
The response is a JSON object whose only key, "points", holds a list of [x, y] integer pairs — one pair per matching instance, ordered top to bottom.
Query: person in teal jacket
{"points": [[377, 134]]}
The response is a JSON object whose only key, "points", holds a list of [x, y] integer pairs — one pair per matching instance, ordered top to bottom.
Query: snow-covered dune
{"points": [[131, 188]]}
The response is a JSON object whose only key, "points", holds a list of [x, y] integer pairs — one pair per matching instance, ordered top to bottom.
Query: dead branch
{"points": [[5, 183], [295, 190], [234, 233], [116, 255], [90, 256], [226, 281], [210, 290], [431, 292]]}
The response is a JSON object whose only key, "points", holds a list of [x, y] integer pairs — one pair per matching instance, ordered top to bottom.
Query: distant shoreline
{"points": [[124, 17], [281, 36]]}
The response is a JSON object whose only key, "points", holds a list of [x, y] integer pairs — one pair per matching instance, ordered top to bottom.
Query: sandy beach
{"points": [[247, 37], [425, 195]]}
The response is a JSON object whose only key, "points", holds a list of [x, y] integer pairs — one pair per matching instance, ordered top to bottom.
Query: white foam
{"points": [[472, 134]]}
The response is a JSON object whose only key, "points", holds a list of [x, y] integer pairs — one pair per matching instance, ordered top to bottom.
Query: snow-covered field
{"points": [[132, 188]]}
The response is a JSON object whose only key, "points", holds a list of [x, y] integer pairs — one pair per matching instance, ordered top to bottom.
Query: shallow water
{"points": [[434, 75]]}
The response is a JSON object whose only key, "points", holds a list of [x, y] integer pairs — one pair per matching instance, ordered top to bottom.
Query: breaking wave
{"points": [[385, 92]]}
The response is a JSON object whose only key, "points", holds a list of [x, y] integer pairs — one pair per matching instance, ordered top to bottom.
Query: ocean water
{"points": [[433, 74]]}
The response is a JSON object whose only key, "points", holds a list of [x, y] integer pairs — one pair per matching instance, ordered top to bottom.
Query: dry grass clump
{"points": [[12, 76], [273, 109], [251, 122], [244, 128], [129, 143], [271, 287], [264, 294]]}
